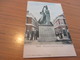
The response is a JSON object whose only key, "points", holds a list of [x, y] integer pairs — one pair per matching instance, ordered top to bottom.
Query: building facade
{"points": [[32, 27], [61, 29]]}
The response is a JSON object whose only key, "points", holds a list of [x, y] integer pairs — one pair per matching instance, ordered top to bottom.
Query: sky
{"points": [[35, 8]]}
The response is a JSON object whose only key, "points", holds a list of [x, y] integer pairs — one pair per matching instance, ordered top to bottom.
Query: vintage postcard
{"points": [[46, 33]]}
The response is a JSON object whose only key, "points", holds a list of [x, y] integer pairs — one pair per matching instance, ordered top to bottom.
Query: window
{"points": [[27, 20], [64, 21], [65, 32]]}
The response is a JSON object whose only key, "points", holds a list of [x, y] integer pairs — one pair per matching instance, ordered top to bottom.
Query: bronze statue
{"points": [[45, 18]]}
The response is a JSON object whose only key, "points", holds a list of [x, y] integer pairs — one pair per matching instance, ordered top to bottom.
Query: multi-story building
{"points": [[31, 24], [60, 28]]}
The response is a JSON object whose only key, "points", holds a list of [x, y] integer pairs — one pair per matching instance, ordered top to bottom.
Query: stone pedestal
{"points": [[46, 34]]}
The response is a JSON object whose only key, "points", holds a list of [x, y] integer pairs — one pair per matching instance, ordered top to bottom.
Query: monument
{"points": [[45, 16], [46, 31]]}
